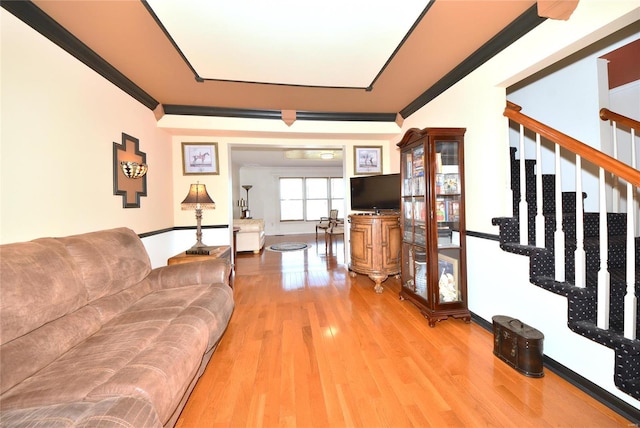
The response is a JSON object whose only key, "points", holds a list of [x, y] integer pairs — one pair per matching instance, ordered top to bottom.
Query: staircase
{"points": [[581, 238]]}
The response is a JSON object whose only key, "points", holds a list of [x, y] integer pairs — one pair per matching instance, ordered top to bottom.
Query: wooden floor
{"points": [[310, 346]]}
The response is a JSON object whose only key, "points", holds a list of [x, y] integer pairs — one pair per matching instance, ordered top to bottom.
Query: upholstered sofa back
{"points": [[249, 225], [63, 290]]}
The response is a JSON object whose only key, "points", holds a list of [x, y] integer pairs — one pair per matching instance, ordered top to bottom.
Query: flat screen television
{"points": [[375, 193]]}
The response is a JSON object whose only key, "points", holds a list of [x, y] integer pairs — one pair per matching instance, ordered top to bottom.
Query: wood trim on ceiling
{"points": [[33, 16], [518, 28], [188, 110]]}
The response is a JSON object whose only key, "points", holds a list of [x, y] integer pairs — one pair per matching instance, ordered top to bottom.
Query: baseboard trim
{"points": [[171, 229], [601, 395]]}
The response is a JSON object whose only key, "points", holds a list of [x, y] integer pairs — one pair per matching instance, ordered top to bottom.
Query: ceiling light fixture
{"points": [[313, 154]]}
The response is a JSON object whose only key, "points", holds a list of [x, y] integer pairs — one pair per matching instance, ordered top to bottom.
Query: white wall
{"points": [[566, 97], [626, 101], [59, 122], [226, 188], [263, 197], [162, 246], [505, 278]]}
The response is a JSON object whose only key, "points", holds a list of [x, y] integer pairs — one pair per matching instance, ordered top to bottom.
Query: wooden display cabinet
{"points": [[433, 223], [375, 246]]}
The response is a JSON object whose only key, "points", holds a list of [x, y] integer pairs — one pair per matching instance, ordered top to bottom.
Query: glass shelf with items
{"points": [[417, 171], [448, 219], [414, 270], [407, 271], [420, 272], [449, 276]]}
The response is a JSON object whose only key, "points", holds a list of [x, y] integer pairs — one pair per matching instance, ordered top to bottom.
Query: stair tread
{"points": [[582, 302], [608, 338]]}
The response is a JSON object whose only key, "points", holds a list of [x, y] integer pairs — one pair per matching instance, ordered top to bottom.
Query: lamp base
{"points": [[201, 250]]}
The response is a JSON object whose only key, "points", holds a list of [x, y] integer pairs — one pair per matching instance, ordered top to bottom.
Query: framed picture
{"points": [[200, 159], [367, 160], [448, 279]]}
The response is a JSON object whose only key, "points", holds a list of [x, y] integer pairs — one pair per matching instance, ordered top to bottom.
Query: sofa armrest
{"points": [[184, 274]]}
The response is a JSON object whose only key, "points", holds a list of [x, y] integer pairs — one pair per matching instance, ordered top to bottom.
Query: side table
{"points": [[219, 252], [234, 253]]}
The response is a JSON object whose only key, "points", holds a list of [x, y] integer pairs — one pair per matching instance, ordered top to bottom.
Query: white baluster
{"points": [[634, 160], [634, 163], [615, 182], [522, 206], [539, 216], [558, 236], [579, 253], [604, 280], [630, 300]]}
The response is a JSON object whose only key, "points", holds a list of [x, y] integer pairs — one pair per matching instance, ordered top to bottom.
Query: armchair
{"points": [[325, 222], [336, 229]]}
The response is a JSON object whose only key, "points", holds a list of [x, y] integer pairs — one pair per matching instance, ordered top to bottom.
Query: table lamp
{"points": [[198, 199]]}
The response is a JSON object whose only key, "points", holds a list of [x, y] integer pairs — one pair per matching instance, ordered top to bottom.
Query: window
{"points": [[309, 198], [291, 199]]}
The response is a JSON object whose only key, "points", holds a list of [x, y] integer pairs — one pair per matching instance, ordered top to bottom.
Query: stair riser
{"points": [[582, 302]]}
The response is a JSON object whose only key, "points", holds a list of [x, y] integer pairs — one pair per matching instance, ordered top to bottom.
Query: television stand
{"points": [[375, 243]]}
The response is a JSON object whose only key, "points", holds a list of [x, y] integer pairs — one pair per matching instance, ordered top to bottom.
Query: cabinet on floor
{"points": [[433, 223], [375, 246]]}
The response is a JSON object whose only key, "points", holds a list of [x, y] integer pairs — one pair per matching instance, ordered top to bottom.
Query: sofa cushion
{"points": [[108, 260], [39, 285], [91, 336], [151, 351], [25, 355], [115, 412]]}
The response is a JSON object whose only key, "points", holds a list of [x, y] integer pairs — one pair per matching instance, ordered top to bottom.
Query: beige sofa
{"points": [[250, 237], [91, 336]]}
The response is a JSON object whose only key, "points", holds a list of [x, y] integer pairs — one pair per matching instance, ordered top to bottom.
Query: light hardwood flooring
{"points": [[310, 346]]}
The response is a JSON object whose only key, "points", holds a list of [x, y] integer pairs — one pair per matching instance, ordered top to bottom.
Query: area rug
{"points": [[289, 246]]}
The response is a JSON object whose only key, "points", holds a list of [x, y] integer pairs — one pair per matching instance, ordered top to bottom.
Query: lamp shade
{"points": [[133, 169], [198, 198]]}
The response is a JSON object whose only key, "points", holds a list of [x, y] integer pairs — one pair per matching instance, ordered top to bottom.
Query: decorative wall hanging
{"points": [[200, 159], [367, 160], [132, 188]]}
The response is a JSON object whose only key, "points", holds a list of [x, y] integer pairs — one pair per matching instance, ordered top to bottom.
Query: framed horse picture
{"points": [[200, 159]]}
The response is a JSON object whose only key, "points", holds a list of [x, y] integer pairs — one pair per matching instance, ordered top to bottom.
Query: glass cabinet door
{"points": [[447, 195], [407, 196], [413, 196]]}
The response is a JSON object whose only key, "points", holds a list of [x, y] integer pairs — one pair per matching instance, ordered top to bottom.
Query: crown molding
{"points": [[33, 16], [518, 28], [187, 110]]}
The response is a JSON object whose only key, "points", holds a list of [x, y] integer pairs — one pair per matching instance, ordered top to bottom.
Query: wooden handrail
{"points": [[606, 114], [622, 170]]}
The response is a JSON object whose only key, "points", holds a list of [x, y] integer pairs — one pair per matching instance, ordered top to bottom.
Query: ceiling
{"points": [[127, 36], [329, 44], [350, 60]]}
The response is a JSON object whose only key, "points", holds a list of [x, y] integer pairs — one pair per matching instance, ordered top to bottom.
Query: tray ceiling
{"points": [[332, 43], [348, 57]]}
